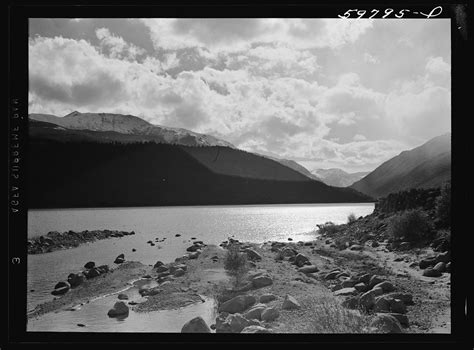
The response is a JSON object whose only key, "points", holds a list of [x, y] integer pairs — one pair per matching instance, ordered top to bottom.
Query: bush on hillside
{"points": [[351, 218], [411, 225], [328, 228]]}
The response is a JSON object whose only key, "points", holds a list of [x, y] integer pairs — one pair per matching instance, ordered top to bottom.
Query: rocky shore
{"points": [[70, 239], [290, 287]]}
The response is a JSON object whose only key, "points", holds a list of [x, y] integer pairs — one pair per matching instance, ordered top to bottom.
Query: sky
{"points": [[326, 93]]}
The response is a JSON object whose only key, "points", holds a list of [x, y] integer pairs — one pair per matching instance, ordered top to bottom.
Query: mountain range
{"points": [[133, 127], [106, 162], [428, 165], [338, 177]]}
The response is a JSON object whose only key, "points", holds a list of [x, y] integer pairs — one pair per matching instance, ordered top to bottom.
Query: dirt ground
{"points": [[205, 276]]}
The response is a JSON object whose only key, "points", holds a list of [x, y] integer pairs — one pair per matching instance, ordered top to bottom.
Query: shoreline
{"points": [[54, 240], [202, 274]]}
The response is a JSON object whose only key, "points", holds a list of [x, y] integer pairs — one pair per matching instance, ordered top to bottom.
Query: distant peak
{"points": [[73, 114]]}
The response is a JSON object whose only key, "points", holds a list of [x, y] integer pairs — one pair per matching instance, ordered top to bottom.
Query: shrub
{"points": [[443, 206], [351, 218], [411, 225], [328, 228], [235, 263], [331, 317]]}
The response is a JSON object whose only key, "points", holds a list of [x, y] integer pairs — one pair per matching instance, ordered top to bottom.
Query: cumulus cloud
{"points": [[309, 90]]}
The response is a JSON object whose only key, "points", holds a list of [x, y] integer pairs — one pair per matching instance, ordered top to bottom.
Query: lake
{"points": [[211, 224]]}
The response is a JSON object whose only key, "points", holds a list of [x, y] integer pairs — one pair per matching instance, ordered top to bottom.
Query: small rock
{"points": [[356, 247], [253, 255], [119, 259], [301, 260], [89, 265], [308, 269], [429, 272], [332, 275], [75, 279], [261, 281], [61, 288], [122, 296], [405, 297], [266, 298], [367, 300], [290, 303], [351, 303], [237, 304], [119, 309], [270, 314], [196, 325]]}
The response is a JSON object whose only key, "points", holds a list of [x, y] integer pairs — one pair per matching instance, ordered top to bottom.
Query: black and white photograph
{"points": [[240, 175]]}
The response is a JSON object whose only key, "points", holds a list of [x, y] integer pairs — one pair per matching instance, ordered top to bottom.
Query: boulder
{"points": [[193, 248], [253, 255], [120, 259], [301, 260], [427, 262], [158, 264], [89, 265], [441, 267], [162, 269], [308, 269], [94, 272], [429, 272], [178, 273], [331, 275], [364, 278], [75, 279], [374, 280], [261, 281], [348, 283], [386, 286], [361, 287], [61, 288], [346, 291], [377, 291], [266, 298], [367, 300], [290, 303], [237, 304], [382, 304], [397, 306], [119, 309], [255, 312], [270, 314], [403, 319], [386, 323], [196, 325], [255, 329]]}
